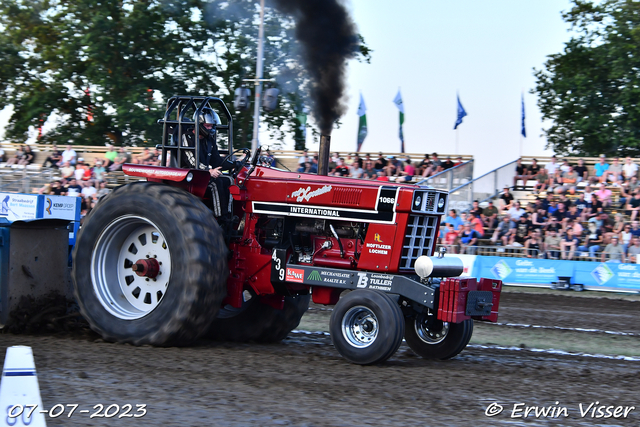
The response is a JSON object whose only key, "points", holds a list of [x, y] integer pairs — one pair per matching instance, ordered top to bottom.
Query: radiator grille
{"points": [[346, 196], [431, 202], [418, 239]]}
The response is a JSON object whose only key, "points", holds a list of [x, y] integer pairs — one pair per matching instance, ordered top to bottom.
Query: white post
{"points": [[258, 83]]}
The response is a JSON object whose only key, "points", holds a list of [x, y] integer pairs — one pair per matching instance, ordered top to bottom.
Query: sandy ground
{"points": [[304, 382]]}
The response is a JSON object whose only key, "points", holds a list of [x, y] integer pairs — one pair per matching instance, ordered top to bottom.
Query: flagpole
{"points": [[457, 140]]}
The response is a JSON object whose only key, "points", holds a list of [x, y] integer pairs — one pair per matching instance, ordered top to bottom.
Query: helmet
{"points": [[207, 115]]}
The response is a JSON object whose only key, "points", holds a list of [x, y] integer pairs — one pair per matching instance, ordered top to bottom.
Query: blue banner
{"points": [[532, 271]]}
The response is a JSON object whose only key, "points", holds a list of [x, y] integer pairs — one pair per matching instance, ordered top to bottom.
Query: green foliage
{"points": [[107, 67], [591, 91]]}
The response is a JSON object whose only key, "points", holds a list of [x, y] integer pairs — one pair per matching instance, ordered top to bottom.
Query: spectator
{"points": [[69, 155], [28, 156], [109, 156], [17, 157], [54, 158], [122, 158], [143, 158], [303, 159], [368, 161], [458, 161], [380, 163], [447, 164], [423, 165], [552, 166], [394, 167], [434, 167], [564, 167], [601, 168], [341, 169], [533, 169], [629, 169], [98, 170], [356, 170], [67, 171], [79, 171], [582, 171], [370, 172], [408, 172], [522, 173], [614, 173], [569, 179], [542, 181], [556, 182], [57, 189], [73, 189], [89, 190], [102, 190], [626, 191], [604, 195], [507, 199], [596, 206], [633, 206], [584, 207], [476, 209], [516, 211], [490, 215], [571, 215], [454, 219], [539, 219], [476, 224], [523, 228], [635, 228], [503, 230], [625, 237], [451, 238], [468, 240], [593, 241], [552, 244], [534, 245], [569, 245], [634, 250], [613, 251]]}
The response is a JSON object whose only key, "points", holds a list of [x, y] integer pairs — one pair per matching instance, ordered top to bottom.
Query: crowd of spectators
{"points": [[382, 168], [88, 181], [574, 215]]}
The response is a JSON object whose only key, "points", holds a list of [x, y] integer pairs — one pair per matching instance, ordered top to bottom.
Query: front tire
{"points": [[150, 266], [366, 327], [431, 338]]}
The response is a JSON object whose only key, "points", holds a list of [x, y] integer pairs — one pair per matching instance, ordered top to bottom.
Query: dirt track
{"points": [[304, 381]]}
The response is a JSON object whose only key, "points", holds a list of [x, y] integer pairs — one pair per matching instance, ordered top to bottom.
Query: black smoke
{"points": [[329, 38]]}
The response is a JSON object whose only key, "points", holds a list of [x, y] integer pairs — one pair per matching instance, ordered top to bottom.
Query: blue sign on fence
{"points": [[593, 275]]}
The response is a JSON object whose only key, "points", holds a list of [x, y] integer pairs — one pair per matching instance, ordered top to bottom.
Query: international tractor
{"points": [[153, 265]]}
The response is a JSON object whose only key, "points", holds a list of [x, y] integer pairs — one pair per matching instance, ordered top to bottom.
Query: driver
{"points": [[209, 159]]}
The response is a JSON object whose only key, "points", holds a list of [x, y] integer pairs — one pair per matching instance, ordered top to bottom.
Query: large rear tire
{"points": [[150, 266], [258, 322], [366, 327], [431, 338]]}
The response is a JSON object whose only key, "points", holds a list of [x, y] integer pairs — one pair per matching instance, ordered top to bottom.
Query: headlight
{"points": [[189, 176]]}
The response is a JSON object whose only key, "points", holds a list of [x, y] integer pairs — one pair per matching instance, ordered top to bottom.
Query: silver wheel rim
{"points": [[121, 291], [360, 326], [430, 330]]}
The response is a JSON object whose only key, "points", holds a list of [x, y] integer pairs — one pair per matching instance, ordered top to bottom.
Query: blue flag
{"points": [[461, 113], [523, 131]]}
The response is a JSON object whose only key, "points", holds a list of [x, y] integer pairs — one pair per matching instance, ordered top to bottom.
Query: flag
{"points": [[398, 101], [461, 113], [362, 128], [523, 131]]}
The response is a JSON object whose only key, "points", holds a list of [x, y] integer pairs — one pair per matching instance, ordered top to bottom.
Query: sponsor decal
{"points": [[155, 172], [305, 194], [48, 208], [324, 212], [376, 238], [374, 248], [501, 270], [602, 274], [295, 275], [314, 275], [380, 282]]}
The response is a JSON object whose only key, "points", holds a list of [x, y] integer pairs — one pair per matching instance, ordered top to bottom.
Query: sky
{"points": [[432, 50]]}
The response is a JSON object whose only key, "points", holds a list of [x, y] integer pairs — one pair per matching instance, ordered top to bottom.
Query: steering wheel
{"points": [[237, 165]]}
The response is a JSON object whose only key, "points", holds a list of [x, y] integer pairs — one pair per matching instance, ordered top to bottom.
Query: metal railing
{"points": [[450, 178], [25, 180], [483, 188]]}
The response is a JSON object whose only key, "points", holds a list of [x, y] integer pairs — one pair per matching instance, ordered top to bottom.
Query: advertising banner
{"points": [[17, 207], [522, 270]]}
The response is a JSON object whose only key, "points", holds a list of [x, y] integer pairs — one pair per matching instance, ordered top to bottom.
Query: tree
{"points": [[107, 67], [591, 91]]}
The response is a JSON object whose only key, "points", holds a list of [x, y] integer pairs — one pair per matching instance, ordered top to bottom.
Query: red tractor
{"points": [[152, 265]]}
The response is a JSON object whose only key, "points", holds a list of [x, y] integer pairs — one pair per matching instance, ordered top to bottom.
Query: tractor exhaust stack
{"points": [[323, 155]]}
